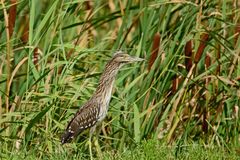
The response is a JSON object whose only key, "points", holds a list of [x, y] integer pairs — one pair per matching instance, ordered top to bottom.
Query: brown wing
{"points": [[86, 117]]}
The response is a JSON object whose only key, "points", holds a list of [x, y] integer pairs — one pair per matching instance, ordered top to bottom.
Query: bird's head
{"points": [[124, 58]]}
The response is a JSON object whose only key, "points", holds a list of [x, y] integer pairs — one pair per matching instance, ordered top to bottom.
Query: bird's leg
{"points": [[90, 142], [97, 144], [90, 147]]}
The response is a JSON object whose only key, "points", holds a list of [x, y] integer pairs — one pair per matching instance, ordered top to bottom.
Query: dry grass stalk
{"points": [[8, 55], [177, 102]]}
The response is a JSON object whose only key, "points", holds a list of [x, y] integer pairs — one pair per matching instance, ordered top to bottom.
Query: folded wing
{"points": [[86, 117]]}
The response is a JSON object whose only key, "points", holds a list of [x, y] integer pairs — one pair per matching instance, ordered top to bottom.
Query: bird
{"points": [[95, 109]]}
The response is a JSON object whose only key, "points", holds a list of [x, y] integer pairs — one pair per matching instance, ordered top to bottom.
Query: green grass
{"points": [[186, 92], [146, 150]]}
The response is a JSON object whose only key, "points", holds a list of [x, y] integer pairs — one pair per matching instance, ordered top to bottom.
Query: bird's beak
{"points": [[135, 59]]}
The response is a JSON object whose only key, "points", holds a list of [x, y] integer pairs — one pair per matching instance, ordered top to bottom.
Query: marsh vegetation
{"points": [[185, 94]]}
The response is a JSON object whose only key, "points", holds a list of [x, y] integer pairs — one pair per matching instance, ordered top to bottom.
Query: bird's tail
{"points": [[67, 137]]}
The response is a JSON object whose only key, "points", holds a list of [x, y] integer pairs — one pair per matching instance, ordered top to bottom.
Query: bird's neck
{"points": [[106, 81]]}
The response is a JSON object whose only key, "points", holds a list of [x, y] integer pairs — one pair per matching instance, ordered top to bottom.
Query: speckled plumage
{"points": [[95, 109]]}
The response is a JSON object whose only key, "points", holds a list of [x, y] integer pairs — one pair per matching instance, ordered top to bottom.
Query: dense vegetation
{"points": [[186, 93]]}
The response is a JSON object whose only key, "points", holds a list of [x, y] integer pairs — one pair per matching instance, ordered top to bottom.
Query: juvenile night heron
{"points": [[95, 109]]}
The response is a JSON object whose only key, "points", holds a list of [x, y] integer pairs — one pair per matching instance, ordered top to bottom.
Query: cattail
{"points": [[12, 16], [25, 22], [237, 32], [202, 46], [155, 49], [188, 55], [207, 65]]}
